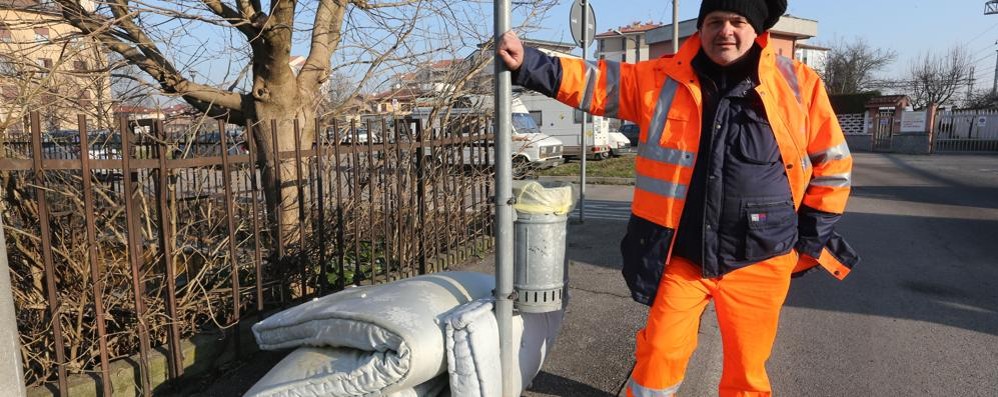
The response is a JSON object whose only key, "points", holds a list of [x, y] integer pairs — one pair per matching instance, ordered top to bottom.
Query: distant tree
{"points": [[850, 66], [935, 78], [982, 99]]}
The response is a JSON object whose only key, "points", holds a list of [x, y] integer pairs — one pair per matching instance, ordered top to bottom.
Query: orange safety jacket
{"points": [[663, 97]]}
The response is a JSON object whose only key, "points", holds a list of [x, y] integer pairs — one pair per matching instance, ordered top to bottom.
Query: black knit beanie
{"points": [[761, 14]]}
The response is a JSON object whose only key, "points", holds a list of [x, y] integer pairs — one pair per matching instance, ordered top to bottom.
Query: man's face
{"points": [[726, 37]]}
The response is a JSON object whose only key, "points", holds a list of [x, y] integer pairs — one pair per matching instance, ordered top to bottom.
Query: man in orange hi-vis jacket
{"points": [[742, 173]]}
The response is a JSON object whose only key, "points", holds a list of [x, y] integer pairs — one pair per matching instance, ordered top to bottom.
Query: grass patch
{"points": [[620, 167]]}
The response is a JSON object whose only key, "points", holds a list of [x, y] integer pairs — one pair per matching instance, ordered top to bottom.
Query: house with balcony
{"points": [[626, 43], [49, 67]]}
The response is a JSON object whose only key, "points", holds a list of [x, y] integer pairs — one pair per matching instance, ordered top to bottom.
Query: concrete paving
{"points": [[919, 316]]}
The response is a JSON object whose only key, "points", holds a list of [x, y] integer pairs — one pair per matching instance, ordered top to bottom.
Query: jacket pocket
{"points": [[676, 127], [755, 142], [772, 228], [644, 248]]}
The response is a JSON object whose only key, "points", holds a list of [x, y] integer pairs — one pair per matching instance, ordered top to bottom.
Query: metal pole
{"points": [[675, 26], [994, 89], [585, 118], [504, 204], [11, 375]]}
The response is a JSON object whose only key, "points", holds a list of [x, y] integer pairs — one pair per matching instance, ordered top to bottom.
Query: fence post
{"points": [[930, 122], [11, 375]]}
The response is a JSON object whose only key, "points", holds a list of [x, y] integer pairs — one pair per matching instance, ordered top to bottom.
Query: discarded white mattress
{"points": [[389, 338], [473, 348], [315, 371]]}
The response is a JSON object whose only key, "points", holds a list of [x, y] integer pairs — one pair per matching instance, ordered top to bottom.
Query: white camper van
{"points": [[560, 121], [531, 148]]}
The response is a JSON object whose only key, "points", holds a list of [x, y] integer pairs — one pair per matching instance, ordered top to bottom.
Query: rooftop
{"points": [[633, 28]]}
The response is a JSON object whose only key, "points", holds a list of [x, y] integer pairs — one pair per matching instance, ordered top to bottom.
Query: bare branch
{"points": [[366, 5], [239, 20], [325, 38], [143, 53], [849, 67], [935, 78]]}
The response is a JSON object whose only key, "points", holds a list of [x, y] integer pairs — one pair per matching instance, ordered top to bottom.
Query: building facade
{"points": [[626, 43], [811, 55], [49, 67]]}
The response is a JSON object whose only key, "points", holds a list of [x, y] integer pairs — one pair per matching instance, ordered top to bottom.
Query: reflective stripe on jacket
{"points": [[663, 97]]}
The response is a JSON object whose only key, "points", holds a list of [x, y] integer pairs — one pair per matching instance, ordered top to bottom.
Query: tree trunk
{"points": [[281, 188]]}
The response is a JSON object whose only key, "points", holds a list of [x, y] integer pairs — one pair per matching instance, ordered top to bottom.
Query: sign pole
{"points": [[675, 26], [585, 116], [504, 203], [11, 373]]}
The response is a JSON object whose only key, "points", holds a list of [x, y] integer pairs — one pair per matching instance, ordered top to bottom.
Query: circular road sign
{"points": [[575, 22]]}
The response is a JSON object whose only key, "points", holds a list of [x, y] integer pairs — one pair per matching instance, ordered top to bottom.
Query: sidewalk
{"points": [[594, 351]]}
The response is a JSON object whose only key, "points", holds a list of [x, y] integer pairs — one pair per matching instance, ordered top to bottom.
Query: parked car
{"points": [[632, 132], [346, 136], [60, 144], [208, 144], [620, 144], [105, 145]]}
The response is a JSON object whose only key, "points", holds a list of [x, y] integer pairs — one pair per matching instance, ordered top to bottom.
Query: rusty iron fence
{"points": [[128, 240]]}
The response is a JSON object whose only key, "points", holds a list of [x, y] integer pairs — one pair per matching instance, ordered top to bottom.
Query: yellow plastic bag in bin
{"points": [[534, 197]]}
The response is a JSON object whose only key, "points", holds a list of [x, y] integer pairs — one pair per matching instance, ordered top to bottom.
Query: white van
{"points": [[561, 121], [531, 148]]}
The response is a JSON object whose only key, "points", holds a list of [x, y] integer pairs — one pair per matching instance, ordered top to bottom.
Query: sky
{"points": [[911, 27]]}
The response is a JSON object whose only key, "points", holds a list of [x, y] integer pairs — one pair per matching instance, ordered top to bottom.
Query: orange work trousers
{"points": [[747, 301]]}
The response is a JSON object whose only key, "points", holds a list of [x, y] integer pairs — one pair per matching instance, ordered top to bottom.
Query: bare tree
{"points": [[365, 38], [850, 66], [935, 78], [982, 99]]}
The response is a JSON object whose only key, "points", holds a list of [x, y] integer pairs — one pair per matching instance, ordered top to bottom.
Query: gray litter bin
{"points": [[539, 246]]}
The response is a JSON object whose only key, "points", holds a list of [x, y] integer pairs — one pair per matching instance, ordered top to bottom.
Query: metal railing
{"points": [[967, 131], [132, 243]]}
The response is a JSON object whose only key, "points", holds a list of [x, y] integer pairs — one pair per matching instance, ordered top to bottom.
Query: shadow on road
{"points": [[979, 197], [935, 270], [559, 386]]}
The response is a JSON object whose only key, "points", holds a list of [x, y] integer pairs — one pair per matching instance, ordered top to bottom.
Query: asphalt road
{"points": [[918, 317]]}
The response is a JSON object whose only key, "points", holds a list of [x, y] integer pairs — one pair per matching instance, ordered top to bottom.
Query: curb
{"points": [[592, 180]]}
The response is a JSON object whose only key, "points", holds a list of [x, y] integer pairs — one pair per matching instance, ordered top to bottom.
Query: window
{"points": [[41, 34], [5, 35], [623, 44], [45, 63], [7, 66], [79, 66], [8, 92], [48, 97], [84, 100], [538, 117], [578, 117], [524, 124]]}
